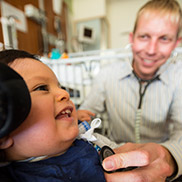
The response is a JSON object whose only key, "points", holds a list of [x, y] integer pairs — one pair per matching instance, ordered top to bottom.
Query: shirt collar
{"points": [[127, 70], [163, 71]]}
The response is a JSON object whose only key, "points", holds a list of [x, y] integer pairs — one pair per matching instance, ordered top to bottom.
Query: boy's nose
{"points": [[62, 95]]}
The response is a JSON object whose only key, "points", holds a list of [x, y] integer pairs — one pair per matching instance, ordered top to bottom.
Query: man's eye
{"points": [[143, 37], [165, 39], [41, 88]]}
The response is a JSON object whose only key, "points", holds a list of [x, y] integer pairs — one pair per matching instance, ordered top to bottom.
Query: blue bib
{"points": [[79, 164]]}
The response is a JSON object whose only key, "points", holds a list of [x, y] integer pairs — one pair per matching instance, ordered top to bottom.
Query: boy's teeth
{"points": [[66, 112]]}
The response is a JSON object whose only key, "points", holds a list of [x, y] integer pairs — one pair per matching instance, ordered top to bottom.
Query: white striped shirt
{"points": [[116, 90]]}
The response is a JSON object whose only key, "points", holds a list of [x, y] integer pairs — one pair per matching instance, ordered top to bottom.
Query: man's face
{"points": [[152, 43]]}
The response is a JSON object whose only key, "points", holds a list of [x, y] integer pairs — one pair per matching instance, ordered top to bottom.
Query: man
{"points": [[143, 101]]}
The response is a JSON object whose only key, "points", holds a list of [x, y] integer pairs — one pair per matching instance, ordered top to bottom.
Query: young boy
{"points": [[44, 147]]}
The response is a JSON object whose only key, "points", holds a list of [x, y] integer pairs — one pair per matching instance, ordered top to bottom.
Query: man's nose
{"points": [[152, 47]]}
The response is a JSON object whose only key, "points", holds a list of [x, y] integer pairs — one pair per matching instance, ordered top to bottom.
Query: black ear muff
{"points": [[15, 102]]}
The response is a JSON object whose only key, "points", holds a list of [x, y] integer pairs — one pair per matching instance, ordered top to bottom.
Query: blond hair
{"points": [[169, 9]]}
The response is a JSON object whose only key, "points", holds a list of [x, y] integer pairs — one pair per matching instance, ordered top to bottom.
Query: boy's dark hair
{"points": [[8, 56]]}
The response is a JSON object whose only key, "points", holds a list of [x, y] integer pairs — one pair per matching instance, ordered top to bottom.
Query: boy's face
{"points": [[152, 43], [51, 126]]}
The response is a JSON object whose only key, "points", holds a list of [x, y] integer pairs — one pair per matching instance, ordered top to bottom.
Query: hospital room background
{"points": [[76, 38]]}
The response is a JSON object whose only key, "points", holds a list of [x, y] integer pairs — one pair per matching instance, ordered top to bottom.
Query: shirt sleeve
{"points": [[96, 98], [174, 143]]}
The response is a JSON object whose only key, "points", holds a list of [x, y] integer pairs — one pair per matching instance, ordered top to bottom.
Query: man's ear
{"points": [[131, 37], [178, 41], [6, 142]]}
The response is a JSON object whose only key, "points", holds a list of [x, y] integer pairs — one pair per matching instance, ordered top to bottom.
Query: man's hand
{"points": [[85, 115], [154, 163]]}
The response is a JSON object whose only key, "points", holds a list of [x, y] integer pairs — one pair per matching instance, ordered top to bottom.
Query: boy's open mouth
{"points": [[65, 113]]}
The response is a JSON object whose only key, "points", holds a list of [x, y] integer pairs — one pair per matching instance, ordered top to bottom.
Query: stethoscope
{"points": [[141, 81], [141, 95]]}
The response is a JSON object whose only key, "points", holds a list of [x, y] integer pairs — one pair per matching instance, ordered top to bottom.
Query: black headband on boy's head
{"points": [[15, 102]]}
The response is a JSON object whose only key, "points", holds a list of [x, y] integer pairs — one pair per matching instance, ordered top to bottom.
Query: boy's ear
{"points": [[6, 142]]}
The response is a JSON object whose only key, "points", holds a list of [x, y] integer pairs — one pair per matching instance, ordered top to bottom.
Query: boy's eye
{"points": [[59, 85], [62, 87], [41, 88]]}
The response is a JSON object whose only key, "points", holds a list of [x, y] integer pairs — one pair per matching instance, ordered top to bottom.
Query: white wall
{"points": [[86, 9], [119, 13], [121, 16]]}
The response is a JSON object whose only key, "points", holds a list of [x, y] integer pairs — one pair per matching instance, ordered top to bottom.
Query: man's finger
{"points": [[123, 160]]}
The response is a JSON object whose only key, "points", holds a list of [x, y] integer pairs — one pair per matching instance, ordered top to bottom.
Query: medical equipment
{"points": [[9, 32], [86, 34], [141, 93], [106, 152]]}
